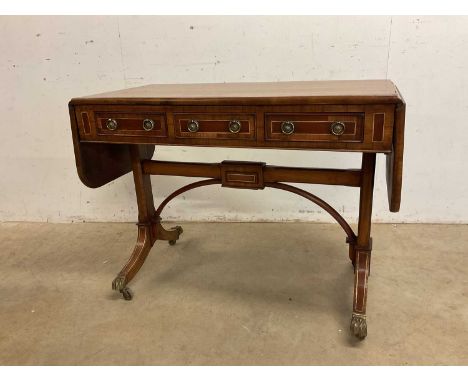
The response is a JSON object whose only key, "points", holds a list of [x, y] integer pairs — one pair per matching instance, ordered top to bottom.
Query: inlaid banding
{"points": [[86, 126], [378, 129], [239, 177]]}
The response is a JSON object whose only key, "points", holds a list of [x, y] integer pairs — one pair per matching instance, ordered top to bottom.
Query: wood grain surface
{"points": [[257, 93]]}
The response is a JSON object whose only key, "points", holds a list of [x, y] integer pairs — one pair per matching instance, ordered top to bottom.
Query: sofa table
{"points": [[116, 133]]}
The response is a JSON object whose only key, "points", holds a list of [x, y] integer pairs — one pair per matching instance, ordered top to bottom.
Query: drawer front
{"points": [[131, 124], [214, 126], [314, 127]]}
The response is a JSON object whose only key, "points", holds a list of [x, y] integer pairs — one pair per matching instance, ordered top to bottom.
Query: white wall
{"points": [[48, 60]]}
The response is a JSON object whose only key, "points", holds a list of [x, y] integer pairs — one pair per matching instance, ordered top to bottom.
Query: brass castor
{"points": [[179, 232], [127, 293], [358, 325]]}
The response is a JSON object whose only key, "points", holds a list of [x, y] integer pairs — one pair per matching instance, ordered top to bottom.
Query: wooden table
{"points": [[116, 133]]}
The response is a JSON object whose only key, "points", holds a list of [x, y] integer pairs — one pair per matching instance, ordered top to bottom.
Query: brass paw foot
{"points": [[179, 231], [119, 285], [358, 325]]}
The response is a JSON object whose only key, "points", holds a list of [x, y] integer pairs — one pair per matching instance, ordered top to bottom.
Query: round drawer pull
{"points": [[111, 124], [148, 124], [193, 126], [234, 126], [287, 127], [337, 128]]}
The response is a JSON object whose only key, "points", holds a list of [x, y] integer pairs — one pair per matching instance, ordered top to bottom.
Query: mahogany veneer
{"points": [[115, 133]]}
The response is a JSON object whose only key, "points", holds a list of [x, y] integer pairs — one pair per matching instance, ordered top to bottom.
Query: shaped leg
{"points": [[146, 213], [171, 235], [361, 250], [134, 263], [358, 319]]}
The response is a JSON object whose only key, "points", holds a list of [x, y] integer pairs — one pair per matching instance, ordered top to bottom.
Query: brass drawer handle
{"points": [[111, 124], [148, 124], [193, 126], [234, 126], [287, 127], [337, 128]]}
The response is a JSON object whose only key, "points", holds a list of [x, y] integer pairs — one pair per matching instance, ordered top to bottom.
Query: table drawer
{"points": [[131, 124], [214, 126], [314, 127]]}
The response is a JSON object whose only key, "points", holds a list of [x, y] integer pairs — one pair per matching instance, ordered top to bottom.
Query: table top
{"points": [[257, 93]]}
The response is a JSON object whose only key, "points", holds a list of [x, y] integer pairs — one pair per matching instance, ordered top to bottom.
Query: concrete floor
{"points": [[242, 293]]}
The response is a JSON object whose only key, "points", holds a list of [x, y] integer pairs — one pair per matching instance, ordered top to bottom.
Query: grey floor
{"points": [[231, 293]]}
